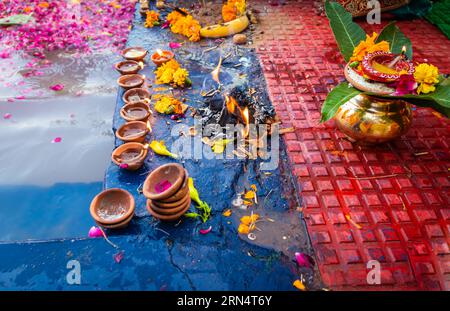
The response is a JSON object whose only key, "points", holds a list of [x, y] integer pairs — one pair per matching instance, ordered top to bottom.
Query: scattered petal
{"points": [[165, 25], [175, 45], [57, 87], [20, 97], [7, 116], [56, 140], [123, 165], [162, 186], [227, 213], [205, 231], [95, 232], [118, 257], [304, 260], [299, 285]]}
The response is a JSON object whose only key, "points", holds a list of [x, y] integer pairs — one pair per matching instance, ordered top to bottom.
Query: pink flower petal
{"points": [[165, 25], [175, 45], [4, 54], [57, 87], [20, 97], [7, 116], [56, 140], [123, 165], [162, 186], [205, 231], [95, 232], [118, 257], [304, 260]]}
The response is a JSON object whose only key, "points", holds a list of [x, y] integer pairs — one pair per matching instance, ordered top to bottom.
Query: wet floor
{"points": [[55, 144]]}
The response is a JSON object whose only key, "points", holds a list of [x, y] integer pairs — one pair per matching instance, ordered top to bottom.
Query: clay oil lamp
{"points": [[134, 53], [160, 57], [128, 67], [386, 67], [131, 81], [136, 95], [135, 112], [134, 131], [130, 156], [164, 181], [113, 208], [168, 214]]}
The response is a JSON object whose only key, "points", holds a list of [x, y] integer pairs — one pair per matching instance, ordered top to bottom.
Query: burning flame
{"points": [[159, 52], [141, 65], [215, 73], [232, 106], [149, 126]]}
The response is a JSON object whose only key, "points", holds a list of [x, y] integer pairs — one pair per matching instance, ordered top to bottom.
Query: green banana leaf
{"points": [[347, 33], [392, 34]]}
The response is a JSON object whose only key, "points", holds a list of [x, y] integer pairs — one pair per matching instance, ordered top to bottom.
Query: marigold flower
{"points": [[232, 9], [152, 19], [184, 25], [368, 46], [171, 72], [180, 76], [427, 76], [168, 105], [247, 220]]}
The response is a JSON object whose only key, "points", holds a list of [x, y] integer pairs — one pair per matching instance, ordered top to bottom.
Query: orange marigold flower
{"points": [[152, 19], [368, 46]]}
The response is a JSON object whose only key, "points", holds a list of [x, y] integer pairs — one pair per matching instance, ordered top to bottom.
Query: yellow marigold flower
{"points": [[44, 5], [232, 9], [152, 19], [184, 25], [368, 46], [426, 75], [166, 76], [180, 76], [168, 105], [247, 220], [243, 229]]}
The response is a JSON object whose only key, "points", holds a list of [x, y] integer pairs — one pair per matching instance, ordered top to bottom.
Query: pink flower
{"points": [[175, 45], [5, 54], [405, 85], [57, 87], [7, 116], [57, 140], [123, 165], [162, 186], [95, 232], [118, 257]]}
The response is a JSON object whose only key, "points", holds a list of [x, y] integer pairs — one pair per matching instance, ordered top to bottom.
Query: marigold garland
{"points": [[152, 19], [184, 25], [172, 73]]}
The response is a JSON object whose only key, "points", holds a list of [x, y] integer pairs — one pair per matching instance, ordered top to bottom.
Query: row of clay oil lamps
{"points": [[114, 208]]}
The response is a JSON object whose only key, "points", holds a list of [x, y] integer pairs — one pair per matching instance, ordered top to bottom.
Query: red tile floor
{"points": [[402, 221]]}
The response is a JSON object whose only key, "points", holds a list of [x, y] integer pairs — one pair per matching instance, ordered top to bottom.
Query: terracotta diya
{"points": [[134, 53], [160, 57], [128, 67], [131, 81], [136, 95], [135, 112], [134, 131], [130, 156], [164, 181], [113, 208], [166, 217]]}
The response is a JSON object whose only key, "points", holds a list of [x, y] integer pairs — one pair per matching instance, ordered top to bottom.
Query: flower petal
{"points": [[175, 45], [57, 87], [7, 116], [56, 140], [205, 231], [95, 232], [118, 257], [304, 260]]}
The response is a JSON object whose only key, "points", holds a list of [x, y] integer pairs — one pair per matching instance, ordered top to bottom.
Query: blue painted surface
{"points": [[168, 256]]}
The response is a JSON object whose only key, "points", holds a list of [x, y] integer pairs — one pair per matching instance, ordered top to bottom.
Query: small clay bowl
{"points": [[135, 53], [158, 59], [128, 67], [131, 81], [142, 93], [135, 112], [134, 131], [137, 154], [172, 172], [180, 194], [109, 202], [172, 204], [169, 211], [168, 217], [120, 225]]}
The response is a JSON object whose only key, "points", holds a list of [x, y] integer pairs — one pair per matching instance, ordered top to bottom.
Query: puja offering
{"points": [[134, 53], [160, 57], [128, 67], [383, 80], [131, 81], [136, 95], [138, 111], [133, 131], [130, 156], [167, 191], [113, 208]]}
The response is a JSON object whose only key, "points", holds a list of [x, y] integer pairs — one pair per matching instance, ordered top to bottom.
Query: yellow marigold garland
{"points": [[184, 25], [172, 73]]}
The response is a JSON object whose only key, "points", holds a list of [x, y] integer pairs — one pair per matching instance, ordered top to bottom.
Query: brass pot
{"points": [[372, 120]]}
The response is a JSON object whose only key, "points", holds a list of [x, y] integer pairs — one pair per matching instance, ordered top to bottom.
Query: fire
{"points": [[159, 52], [141, 65], [215, 73], [232, 106], [149, 126]]}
